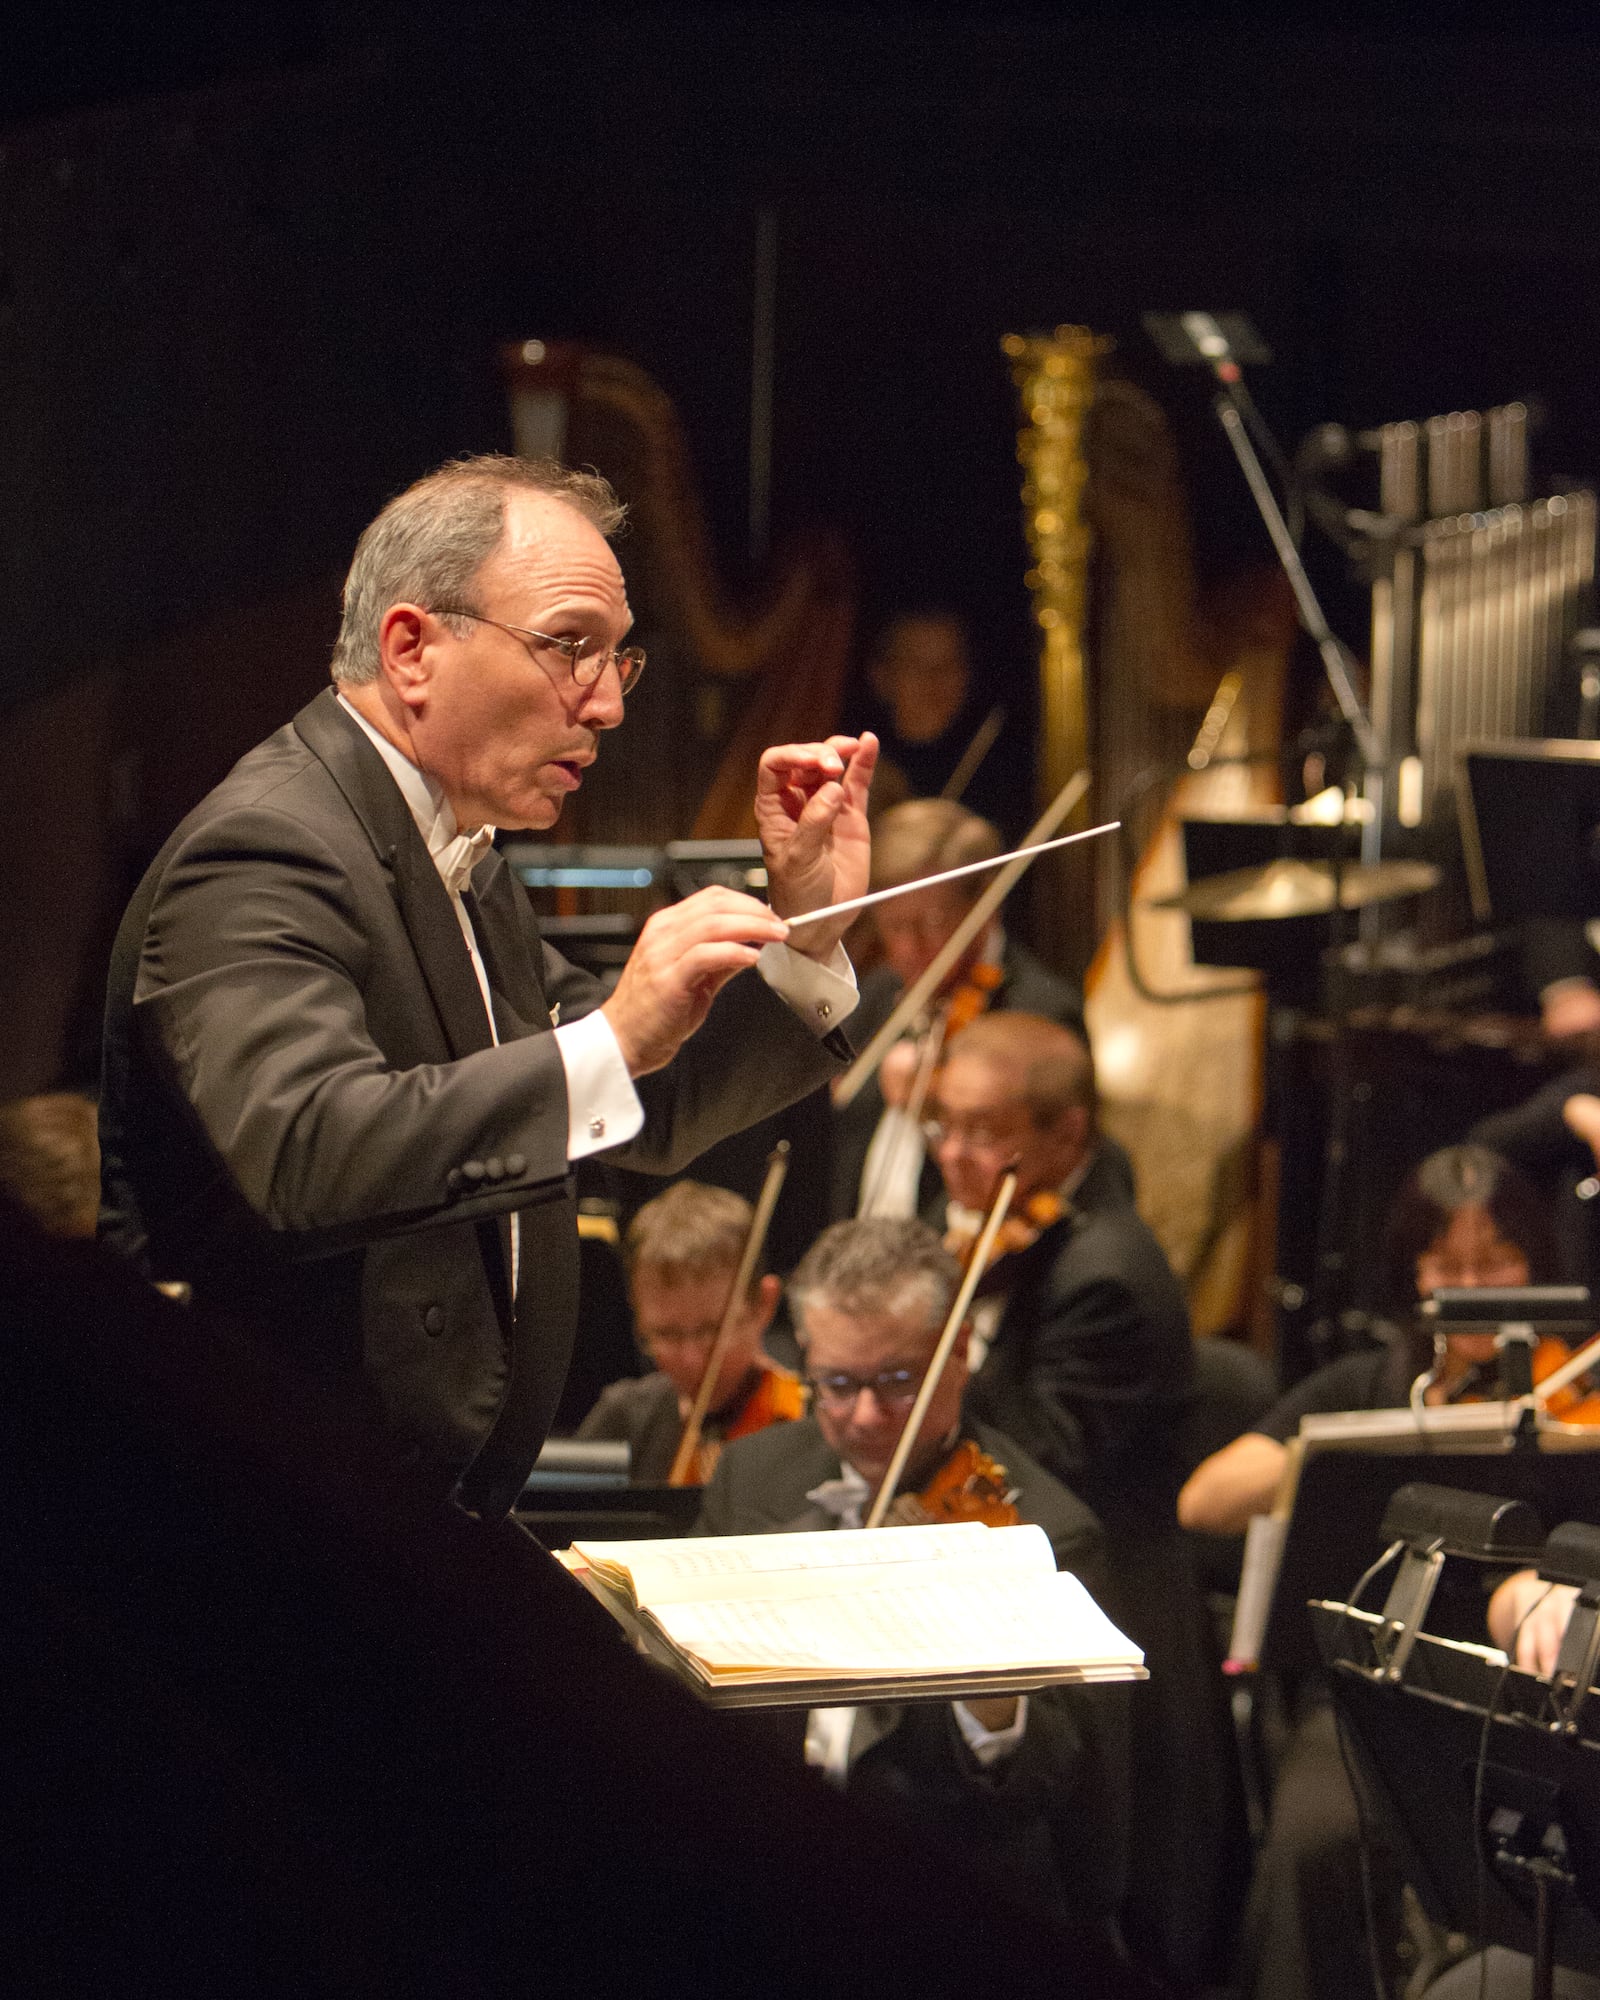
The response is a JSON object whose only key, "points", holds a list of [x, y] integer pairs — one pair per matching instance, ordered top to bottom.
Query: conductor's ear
{"points": [[405, 638]]}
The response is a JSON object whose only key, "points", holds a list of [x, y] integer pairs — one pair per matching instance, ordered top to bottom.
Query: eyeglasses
{"points": [[583, 657], [977, 1137], [895, 1388]]}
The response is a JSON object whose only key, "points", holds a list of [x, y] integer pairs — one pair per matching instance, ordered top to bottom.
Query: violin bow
{"points": [[983, 741], [922, 989], [921, 1084], [982, 1252], [694, 1423]]}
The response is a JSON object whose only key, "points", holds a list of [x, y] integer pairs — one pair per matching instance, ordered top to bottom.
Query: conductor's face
{"points": [[500, 720]]}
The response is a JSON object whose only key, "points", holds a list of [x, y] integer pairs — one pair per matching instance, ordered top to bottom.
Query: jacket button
{"points": [[516, 1164], [495, 1168], [472, 1170], [453, 1181], [433, 1320]]}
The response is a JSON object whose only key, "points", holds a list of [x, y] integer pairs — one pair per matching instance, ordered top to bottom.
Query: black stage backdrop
{"points": [[252, 269]]}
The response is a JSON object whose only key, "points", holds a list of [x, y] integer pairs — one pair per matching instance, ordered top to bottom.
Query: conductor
{"points": [[344, 1079]]}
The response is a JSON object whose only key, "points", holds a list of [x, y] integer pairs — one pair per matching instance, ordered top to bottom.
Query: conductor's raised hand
{"points": [[811, 814], [685, 955]]}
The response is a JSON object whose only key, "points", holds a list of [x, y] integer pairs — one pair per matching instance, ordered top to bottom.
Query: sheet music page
{"points": [[669, 1572], [1009, 1620]]}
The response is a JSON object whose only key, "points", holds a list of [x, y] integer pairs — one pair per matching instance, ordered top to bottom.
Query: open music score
{"points": [[883, 1614]]}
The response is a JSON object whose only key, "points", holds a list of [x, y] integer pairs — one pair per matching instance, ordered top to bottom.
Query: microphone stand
{"points": [[1236, 413]]}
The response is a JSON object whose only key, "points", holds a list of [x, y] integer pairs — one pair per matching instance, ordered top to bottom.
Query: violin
{"points": [[1019, 1231], [779, 1397], [1576, 1401], [968, 1486]]}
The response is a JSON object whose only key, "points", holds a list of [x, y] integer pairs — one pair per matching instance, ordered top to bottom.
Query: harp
{"points": [[1175, 703]]}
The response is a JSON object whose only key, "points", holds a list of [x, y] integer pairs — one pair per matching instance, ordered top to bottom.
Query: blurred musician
{"points": [[931, 715], [881, 1160], [1465, 1217], [683, 1251], [1033, 1788]]}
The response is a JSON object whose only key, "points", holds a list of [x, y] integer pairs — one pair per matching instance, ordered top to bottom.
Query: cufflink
{"points": [[824, 1010], [555, 1015], [597, 1127]]}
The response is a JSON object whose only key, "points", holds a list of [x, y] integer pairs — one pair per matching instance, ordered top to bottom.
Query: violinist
{"points": [[879, 1159], [1465, 1217], [682, 1253], [1033, 1787]]}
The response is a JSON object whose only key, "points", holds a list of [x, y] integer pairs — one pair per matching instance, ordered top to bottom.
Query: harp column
{"points": [[1055, 375]]}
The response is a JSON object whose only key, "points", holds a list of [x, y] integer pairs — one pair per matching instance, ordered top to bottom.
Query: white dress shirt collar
{"points": [[455, 854]]}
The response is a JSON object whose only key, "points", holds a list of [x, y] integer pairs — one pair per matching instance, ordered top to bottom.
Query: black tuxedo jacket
{"points": [[1027, 985], [304, 1115], [1091, 1368], [1049, 1822]]}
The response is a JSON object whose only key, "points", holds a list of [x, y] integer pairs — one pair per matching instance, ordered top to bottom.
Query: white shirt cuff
{"points": [[822, 995], [603, 1108], [990, 1745]]}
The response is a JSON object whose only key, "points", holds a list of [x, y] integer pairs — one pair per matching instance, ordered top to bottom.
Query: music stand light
{"points": [[1429, 1523]]}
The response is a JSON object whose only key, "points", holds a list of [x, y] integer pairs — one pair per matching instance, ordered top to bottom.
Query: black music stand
{"points": [[1530, 828], [1339, 1507], [559, 1518], [1493, 1815]]}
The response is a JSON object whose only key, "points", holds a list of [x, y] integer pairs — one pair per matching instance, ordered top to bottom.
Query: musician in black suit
{"points": [[332, 1100], [873, 1159], [1087, 1362], [1032, 1788]]}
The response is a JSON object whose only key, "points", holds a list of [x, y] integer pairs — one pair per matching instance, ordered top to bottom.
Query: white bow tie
{"points": [[456, 860]]}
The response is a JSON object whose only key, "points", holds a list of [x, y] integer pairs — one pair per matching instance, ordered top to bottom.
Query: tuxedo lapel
{"points": [[375, 799], [499, 910]]}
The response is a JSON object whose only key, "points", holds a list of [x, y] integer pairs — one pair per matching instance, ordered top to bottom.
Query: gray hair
{"points": [[429, 543], [874, 1266]]}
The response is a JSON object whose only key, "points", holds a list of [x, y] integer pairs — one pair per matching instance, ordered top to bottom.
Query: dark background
{"points": [[253, 266]]}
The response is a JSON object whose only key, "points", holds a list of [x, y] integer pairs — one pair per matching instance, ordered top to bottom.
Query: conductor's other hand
{"points": [[811, 814], [685, 955]]}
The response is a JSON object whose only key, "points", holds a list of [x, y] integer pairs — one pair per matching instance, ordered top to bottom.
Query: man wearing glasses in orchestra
{"points": [[345, 1081], [1032, 1788]]}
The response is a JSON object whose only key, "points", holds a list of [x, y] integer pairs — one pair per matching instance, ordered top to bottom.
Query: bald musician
{"points": [[346, 1080], [880, 1161], [682, 1254], [1087, 1362], [1032, 1787]]}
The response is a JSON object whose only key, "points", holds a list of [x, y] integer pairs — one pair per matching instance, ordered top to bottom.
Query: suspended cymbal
{"points": [[1289, 888]]}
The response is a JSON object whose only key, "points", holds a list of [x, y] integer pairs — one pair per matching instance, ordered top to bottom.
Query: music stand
{"points": [[1530, 829], [1340, 1503], [1493, 1816]]}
